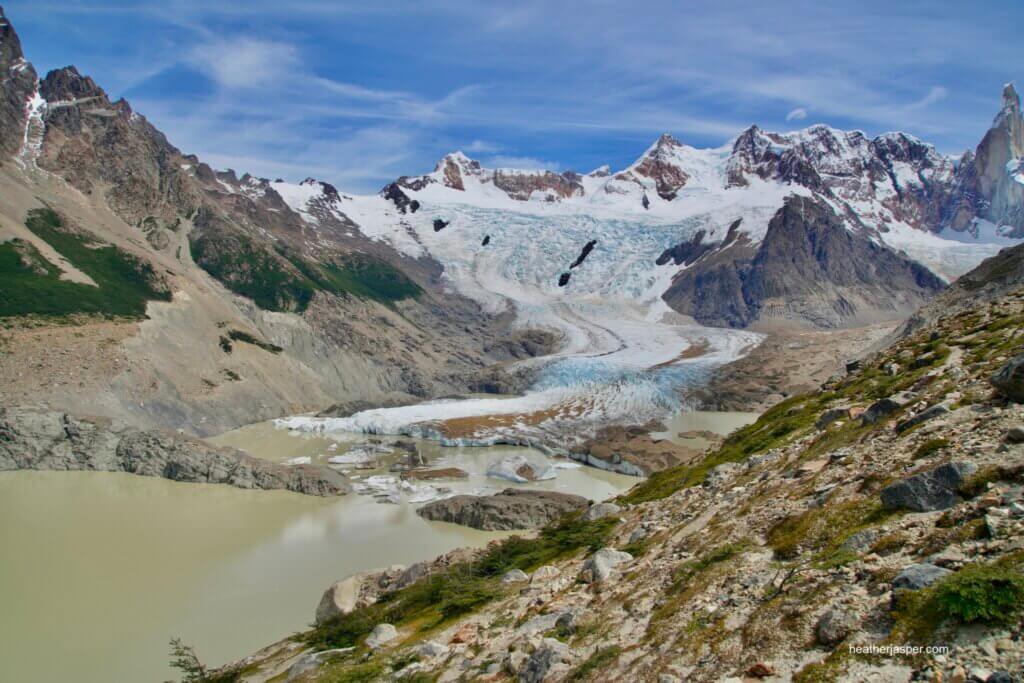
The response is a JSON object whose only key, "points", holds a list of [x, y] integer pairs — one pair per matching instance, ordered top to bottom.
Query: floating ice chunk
{"points": [[356, 456], [300, 460], [566, 465], [520, 469]]}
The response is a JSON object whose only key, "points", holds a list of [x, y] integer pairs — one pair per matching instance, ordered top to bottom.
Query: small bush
{"points": [[929, 447], [985, 593], [594, 663]]}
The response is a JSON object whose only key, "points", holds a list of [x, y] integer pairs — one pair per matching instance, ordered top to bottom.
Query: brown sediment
{"points": [[692, 351], [442, 473]]}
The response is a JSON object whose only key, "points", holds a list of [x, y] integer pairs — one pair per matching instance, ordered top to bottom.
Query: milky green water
{"points": [[98, 571]]}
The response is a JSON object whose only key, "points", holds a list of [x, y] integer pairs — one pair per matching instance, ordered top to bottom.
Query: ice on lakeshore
{"points": [[356, 456], [300, 460], [566, 465], [520, 469]]}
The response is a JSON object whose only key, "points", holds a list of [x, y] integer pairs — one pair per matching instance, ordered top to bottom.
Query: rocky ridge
{"points": [[46, 440]]}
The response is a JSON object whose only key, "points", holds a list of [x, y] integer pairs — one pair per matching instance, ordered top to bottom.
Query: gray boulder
{"points": [[1009, 379], [883, 408], [927, 414], [831, 415], [1015, 434], [935, 489], [510, 509], [600, 511], [859, 541], [601, 564], [515, 576], [918, 576], [340, 598], [834, 625], [381, 635], [550, 654], [313, 660]]}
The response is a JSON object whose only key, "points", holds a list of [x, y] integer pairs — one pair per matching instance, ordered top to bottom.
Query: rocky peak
{"points": [[10, 45], [67, 85], [1011, 100], [661, 163]]}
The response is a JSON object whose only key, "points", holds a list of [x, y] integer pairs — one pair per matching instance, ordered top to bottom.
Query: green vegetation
{"points": [[282, 280], [31, 285], [239, 335], [929, 447], [978, 482], [824, 530], [688, 578], [464, 587], [990, 593], [185, 660], [594, 663]]}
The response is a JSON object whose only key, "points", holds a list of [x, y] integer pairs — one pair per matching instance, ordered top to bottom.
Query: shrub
{"points": [[31, 285], [929, 447], [987, 593], [595, 663]]}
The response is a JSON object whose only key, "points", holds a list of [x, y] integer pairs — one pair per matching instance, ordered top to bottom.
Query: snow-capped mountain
{"points": [[693, 227]]}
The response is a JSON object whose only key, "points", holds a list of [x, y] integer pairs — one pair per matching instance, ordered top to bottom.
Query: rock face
{"points": [[18, 85], [990, 182], [809, 268], [1009, 379], [56, 441], [932, 490], [510, 509], [601, 565], [918, 576], [381, 635]]}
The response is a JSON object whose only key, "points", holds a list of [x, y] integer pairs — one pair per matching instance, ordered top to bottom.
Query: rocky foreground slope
{"points": [[834, 539]]}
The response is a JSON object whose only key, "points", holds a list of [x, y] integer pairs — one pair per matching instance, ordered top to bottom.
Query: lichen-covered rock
{"points": [[1009, 379], [932, 490], [510, 509], [600, 511], [601, 565], [918, 576], [834, 625], [381, 635]]}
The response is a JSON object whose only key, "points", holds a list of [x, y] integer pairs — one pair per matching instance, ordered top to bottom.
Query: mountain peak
{"points": [[67, 84], [1011, 100], [666, 141]]}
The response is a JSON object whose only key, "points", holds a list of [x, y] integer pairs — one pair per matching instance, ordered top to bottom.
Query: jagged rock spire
{"points": [[1011, 100]]}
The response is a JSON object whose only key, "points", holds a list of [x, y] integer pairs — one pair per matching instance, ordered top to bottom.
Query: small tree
{"points": [[184, 659]]}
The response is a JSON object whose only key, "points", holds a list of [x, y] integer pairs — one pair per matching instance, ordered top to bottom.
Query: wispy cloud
{"points": [[359, 92], [798, 114], [521, 163]]}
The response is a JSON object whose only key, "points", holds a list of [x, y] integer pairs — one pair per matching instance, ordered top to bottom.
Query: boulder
{"points": [[1009, 379], [885, 407], [831, 415], [922, 417], [1015, 434], [520, 469], [935, 489], [510, 509], [600, 511], [602, 564], [544, 574], [515, 576], [918, 576], [340, 598], [834, 625], [381, 635], [431, 648], [546, 657], [312, 661]]}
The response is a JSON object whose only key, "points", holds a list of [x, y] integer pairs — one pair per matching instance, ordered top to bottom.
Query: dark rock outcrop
{"points": [[16, 87], [393, 193], [440, 225], [587, 248], [809, 268], [563, 279], [1009, 379], [48, 440], [932, 490], [510, 509]]}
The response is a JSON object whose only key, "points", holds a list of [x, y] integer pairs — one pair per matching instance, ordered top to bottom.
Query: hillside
{"points": [[882, 510]]}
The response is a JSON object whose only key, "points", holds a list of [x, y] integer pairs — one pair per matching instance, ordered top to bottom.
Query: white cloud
{"points": [[244, 62], [798, 114], [481, 147], [521, 163]]}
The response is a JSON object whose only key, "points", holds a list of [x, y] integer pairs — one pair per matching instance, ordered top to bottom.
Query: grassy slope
{"points": [[31, 285]]}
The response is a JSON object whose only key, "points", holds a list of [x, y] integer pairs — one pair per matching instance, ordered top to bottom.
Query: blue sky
{"points": [[359, 93]]}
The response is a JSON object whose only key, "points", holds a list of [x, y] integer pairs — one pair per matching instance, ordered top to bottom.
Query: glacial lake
{"points": [[100, 570]]}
